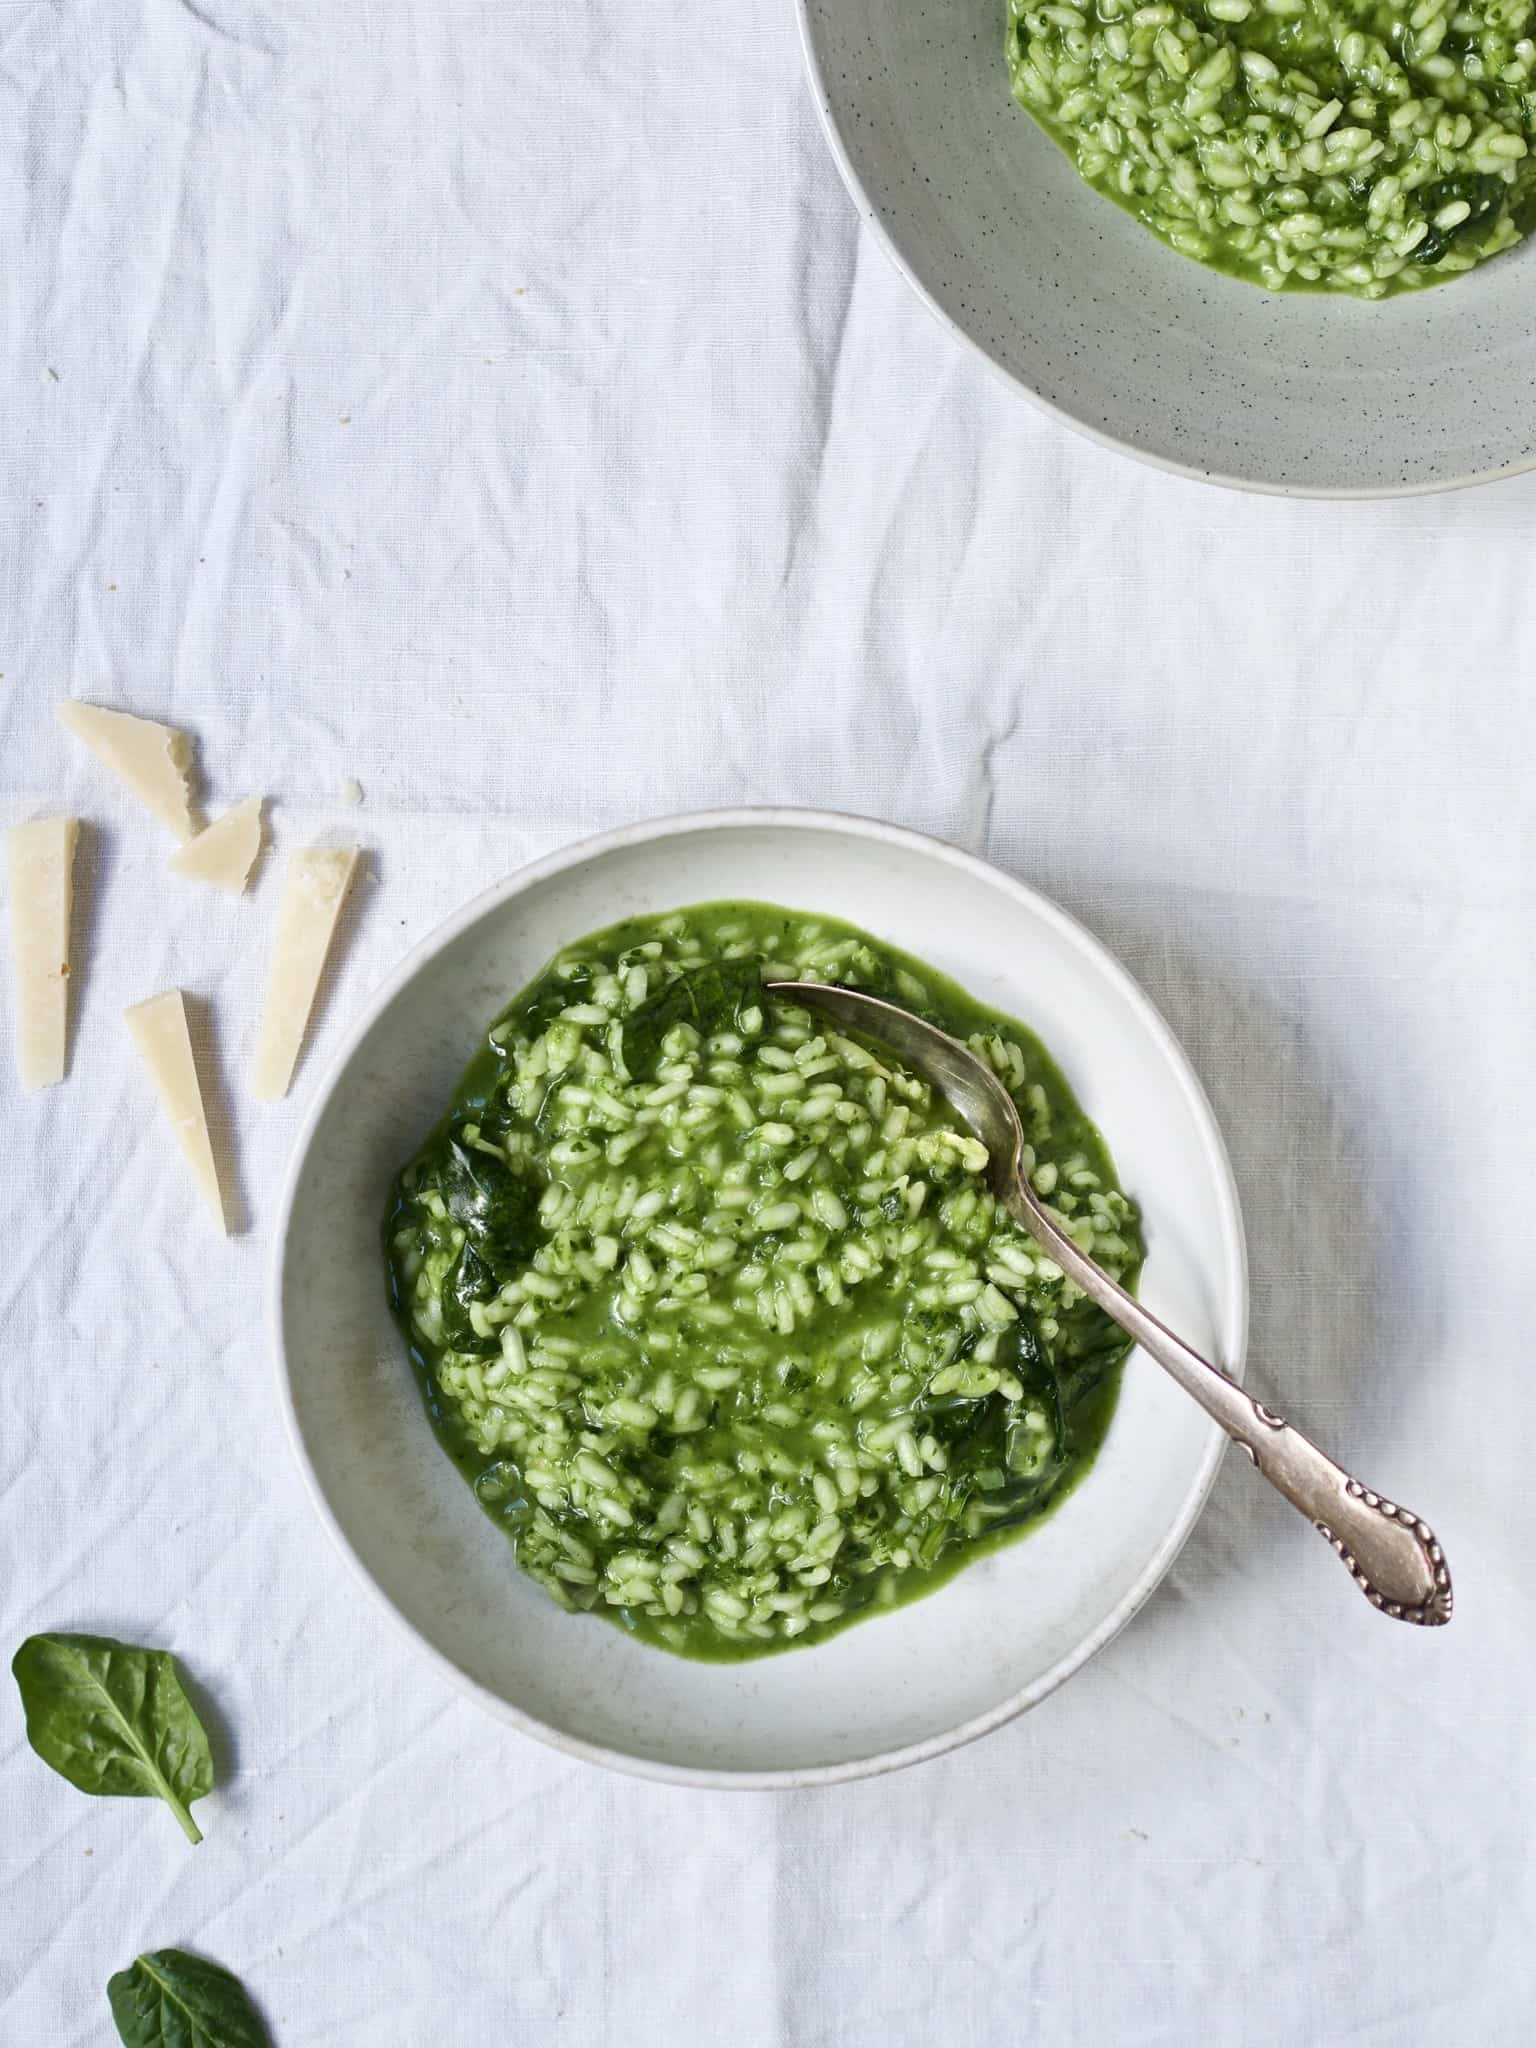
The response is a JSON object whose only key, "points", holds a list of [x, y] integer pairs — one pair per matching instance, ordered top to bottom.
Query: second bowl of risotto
{"points": [[1273, 243]]}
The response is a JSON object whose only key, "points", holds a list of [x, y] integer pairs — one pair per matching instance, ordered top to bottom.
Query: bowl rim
{"points": [[886, 235], [791, 818]]}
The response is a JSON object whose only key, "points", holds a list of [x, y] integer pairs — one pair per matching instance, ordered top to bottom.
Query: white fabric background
{"points": [[497, 402]]}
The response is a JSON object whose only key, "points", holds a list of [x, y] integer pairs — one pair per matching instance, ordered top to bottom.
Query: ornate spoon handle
{"points": [[1390, 1554]]}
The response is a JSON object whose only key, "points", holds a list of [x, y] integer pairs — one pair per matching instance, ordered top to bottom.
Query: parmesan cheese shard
{"points": [[153, 760], [226, 852], [40, 857], [313, 892], [160, 1031]]}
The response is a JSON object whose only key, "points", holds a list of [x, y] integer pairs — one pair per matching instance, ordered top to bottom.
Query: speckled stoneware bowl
{"points": [[1305, 393], [889, 1691]]}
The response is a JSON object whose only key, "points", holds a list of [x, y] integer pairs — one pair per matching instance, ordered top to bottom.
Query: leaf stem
{"points": [[189, 1826]]}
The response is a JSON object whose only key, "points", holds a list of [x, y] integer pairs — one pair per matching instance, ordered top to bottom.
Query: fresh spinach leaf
{"points": [[1484, 192], [711, 998], [112, 1718], [169, 1999]]}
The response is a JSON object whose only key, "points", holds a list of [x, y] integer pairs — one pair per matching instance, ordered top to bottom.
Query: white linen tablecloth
{"points": [[497, 402]]}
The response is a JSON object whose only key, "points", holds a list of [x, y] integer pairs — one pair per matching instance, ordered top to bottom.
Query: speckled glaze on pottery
{"points": [[1308, 394], [894, 1689]]}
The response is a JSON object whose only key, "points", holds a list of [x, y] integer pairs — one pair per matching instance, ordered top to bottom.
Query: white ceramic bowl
{"points": [[1313, 394], [888, 1691]]}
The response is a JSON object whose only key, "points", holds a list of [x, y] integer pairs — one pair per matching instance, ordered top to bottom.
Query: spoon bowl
{"points": [[968, 1084]]}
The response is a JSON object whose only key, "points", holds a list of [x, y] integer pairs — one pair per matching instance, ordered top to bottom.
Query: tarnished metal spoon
{"points": [[1391, 1555]]}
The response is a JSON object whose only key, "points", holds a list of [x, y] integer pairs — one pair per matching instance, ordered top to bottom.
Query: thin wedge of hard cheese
{"points": [[153, 760], [225, 854], [40, 858], [313, 892], [160, 1031]]}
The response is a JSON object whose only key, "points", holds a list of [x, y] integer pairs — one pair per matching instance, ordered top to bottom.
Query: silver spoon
{"points": [[1390, 1554]]}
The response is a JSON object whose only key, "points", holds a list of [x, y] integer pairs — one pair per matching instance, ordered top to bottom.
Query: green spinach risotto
{"points": [[1341, 145], [712, 1304]]}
